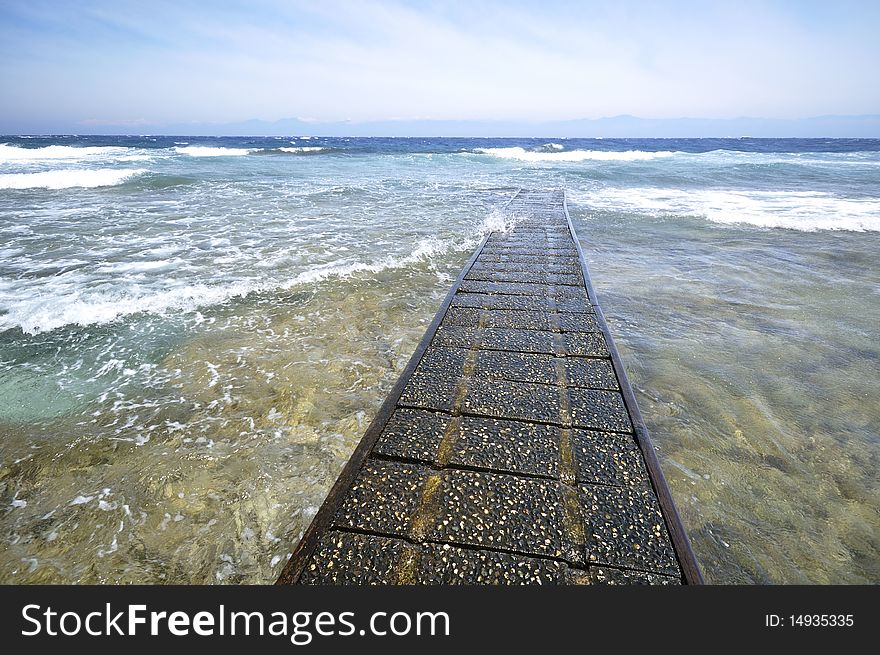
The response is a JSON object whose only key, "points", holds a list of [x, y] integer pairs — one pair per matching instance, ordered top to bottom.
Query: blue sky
{"points": [[141, 65]]}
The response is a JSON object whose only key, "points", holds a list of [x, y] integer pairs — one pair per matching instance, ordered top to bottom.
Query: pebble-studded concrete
{"points": [[510, 457]]}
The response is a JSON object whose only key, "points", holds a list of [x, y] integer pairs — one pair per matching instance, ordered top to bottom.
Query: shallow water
{"points": [[189, 352], [756, 362], [206, 466]]}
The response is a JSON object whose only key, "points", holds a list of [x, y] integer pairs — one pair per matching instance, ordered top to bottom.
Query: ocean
{"points": [[195, 332]]}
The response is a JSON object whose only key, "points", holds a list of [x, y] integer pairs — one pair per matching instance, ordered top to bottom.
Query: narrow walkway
{"points": [[511, 450]]}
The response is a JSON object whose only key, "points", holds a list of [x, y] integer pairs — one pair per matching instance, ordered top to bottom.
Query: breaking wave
{"points": [[305, 150], [211, 151], [550, 152], [10, 153], [66, 179], [807, 211], [75, 304]]}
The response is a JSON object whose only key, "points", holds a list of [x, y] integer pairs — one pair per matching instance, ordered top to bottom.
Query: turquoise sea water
{"points": [[195, 332]]}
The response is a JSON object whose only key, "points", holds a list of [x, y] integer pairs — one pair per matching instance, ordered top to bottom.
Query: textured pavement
{"points": [[510, 456]]}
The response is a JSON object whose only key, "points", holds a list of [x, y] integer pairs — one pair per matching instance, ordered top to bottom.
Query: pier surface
{"points": [[511, 450]]}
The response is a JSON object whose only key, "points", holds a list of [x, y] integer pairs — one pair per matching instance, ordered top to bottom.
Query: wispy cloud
{"points": [[224, 61]]}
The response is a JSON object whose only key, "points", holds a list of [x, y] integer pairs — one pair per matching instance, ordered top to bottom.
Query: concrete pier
{"points": [[511, 450]]}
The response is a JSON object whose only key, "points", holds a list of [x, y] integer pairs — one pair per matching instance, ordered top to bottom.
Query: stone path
{"points": [[511, 451]]}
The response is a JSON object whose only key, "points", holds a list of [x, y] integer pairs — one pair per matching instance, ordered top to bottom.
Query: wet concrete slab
{"points": [[555, 268], [489, 275], [508, 288], [516, 303], [517, 320], [579, 321], [586, 344], [517, 366], [591, 373], [430, 392], [513, 400], [599, 409], [413, 434], [507, 446], [511, 450], [607, 458], [383, 498], [509, 512], [624, 527], [351, 558], [443, 564], [599, 575]]}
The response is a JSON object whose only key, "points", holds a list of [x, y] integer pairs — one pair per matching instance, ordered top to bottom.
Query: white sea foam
{"points": [[304, 149], [209, 151], [10, 153], [522, 154], [142, 157], [813, 159], [66, 179], [798, 210], [498, 220], [424, 249], [128, 268], [74, 301], [74, 306], [79, 307]]}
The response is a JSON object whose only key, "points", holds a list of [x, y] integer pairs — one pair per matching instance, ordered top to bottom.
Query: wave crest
{"points": [[305, 150], [212, 151], [10, 153], [551, 154], [66, 179], [806, 211], [75, 304], [35, 315]]}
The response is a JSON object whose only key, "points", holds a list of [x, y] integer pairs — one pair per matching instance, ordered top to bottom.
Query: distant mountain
{"points": [[616, 126], [819, 126], [866, 126]]}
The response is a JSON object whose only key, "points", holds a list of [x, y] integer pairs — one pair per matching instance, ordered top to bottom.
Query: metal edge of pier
{"points": [[323, 519], [686, 557]]}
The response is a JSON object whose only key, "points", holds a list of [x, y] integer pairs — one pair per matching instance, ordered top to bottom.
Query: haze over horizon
{"points": [[398, 68]]}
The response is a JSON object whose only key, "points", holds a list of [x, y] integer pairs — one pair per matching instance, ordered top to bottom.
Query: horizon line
{"points": [[623, 126], [418, 136]]}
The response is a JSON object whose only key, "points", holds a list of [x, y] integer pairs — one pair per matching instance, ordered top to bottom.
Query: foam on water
{"points": [[304, 149], [210, 151], [516, 152], [9, 153], [138, 157], [824, 159], [66, 179], [797, 210], [497, 220], [424, 250], [76, 299], [77, 305], [241, 329]]}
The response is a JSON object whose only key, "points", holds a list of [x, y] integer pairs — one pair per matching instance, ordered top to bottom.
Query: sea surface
{"points": [[194, 333]]}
